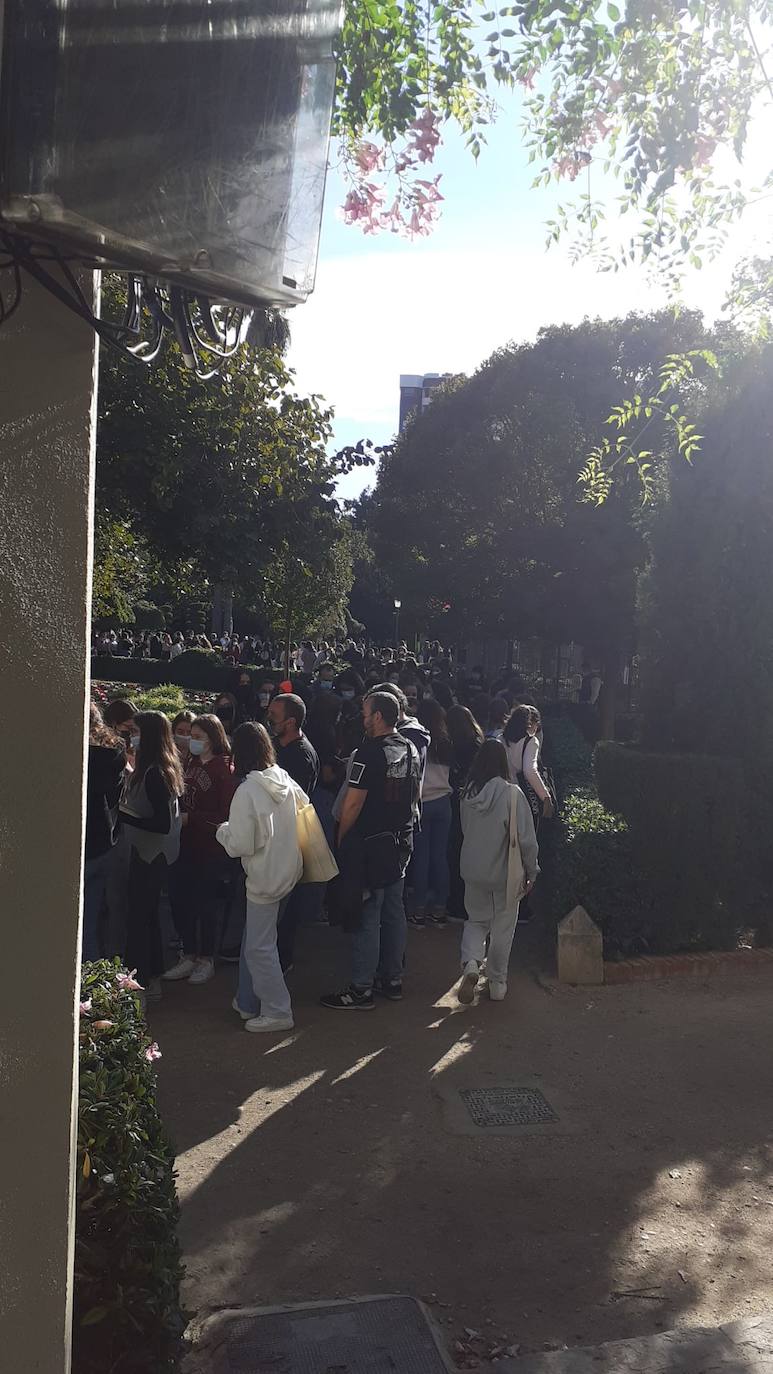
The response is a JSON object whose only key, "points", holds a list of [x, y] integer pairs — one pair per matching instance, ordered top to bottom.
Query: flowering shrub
{"points": [[127, 1258]]}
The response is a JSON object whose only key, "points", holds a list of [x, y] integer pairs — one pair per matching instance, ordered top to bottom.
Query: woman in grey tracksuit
{"points": [[485, 814]]}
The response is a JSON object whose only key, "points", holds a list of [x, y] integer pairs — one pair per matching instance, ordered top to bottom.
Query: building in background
{"points": [[416, 392]]}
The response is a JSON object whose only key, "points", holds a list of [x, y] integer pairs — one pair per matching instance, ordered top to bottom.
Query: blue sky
{"points": [[384, 305]]}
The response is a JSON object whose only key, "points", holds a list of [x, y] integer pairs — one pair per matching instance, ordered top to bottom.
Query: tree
{"points": [[649, 95], [218, 477], [476, 518], [123, 570], [306, 587], [707, 619]]}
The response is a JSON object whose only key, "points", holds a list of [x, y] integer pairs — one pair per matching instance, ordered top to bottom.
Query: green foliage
{"points": [[648, 93], [476, 519], [123, 569], [306, 588], [705, 606], [199, 668], [167, 698], [697, 827], [586, 851], [127, 1257]]}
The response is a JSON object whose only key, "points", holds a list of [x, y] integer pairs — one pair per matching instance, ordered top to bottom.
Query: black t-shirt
{"points": [[299, 759], [388, 769]]}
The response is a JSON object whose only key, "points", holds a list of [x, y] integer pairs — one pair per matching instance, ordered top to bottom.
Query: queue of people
{"points": [[432, 815]]}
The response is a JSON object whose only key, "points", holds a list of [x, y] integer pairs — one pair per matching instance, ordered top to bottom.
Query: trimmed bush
{"points": [[195, 668], [166, 698], [698, 828], [127, 1258]]}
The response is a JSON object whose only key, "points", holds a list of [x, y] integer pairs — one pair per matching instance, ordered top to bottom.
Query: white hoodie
{"points": [[261, 830]]}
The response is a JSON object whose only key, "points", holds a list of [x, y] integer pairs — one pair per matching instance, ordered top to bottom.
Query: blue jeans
{"points": [[429, 870], [94, 882], [378, 947]]}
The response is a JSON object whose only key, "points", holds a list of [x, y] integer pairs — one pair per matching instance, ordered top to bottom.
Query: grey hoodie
{"points": [[486, 830]]}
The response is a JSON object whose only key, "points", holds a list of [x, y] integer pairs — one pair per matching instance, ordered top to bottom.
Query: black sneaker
{"points": [[415, 919], [438, 919], [392, 989], [351, 999]]}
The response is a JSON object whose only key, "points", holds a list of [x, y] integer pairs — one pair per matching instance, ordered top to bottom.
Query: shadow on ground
{"points": [[320, 1165]]}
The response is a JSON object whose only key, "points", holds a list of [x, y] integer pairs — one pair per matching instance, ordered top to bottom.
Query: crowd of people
{"points": [[428, 785]]}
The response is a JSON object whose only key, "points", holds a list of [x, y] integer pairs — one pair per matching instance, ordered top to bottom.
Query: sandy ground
{"points": [[322, 1164]]}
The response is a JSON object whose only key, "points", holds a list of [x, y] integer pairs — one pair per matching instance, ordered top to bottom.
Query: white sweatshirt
{"points": [[261, 830]]}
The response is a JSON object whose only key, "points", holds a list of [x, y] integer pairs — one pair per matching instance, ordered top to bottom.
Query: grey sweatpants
{"points": [[488, 916]]}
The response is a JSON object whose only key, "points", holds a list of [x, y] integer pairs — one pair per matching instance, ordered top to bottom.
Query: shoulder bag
{"points": [[319, 866], [516, 874]]}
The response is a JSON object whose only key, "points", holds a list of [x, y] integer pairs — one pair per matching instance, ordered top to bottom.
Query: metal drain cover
{"points": [[507, 1106], [368, 1336]]}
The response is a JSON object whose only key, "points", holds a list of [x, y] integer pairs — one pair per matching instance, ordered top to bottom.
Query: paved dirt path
{"points": [[320, 1165]]}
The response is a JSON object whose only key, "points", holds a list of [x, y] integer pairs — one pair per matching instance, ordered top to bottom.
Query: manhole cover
{"points": [[507, 1106], [372, 1336]]}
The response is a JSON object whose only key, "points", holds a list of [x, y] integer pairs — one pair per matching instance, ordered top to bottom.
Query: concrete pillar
{"points": [[48, 365], [580, 949]]}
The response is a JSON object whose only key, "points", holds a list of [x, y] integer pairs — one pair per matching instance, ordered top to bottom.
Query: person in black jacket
{"points": [[106, 765]]}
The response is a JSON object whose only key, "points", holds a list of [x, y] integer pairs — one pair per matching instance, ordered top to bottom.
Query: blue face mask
{"points": [[326, 686], [347, 693], [197, 746]]}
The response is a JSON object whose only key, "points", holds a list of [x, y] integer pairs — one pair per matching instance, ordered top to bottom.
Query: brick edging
{"points": [[653, 966]]}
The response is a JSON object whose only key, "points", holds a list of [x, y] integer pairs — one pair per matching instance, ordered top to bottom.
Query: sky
{"points": [[384, 305]]}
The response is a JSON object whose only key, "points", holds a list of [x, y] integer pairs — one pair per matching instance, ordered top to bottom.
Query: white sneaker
{"points": [[182, 969], [204, 969], [466, 990], [497, 991], [245, 1015], [269, 1023]]}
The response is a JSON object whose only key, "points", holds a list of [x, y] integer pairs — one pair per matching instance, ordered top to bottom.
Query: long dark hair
{"points": [[433, 718], [521, 720], [463, 728], [252, 749], [157, 750], [490, 762]]}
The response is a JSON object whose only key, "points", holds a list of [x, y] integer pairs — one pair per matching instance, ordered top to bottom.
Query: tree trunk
{"points": [[222, 611], [288, 637], [608, 697]]}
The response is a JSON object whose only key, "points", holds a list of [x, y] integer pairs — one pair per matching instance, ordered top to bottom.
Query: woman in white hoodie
{"points": [[486, 808], [261, 830]]}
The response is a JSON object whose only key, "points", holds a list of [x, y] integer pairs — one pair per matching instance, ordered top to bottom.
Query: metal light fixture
{"points": [[398, 604]]}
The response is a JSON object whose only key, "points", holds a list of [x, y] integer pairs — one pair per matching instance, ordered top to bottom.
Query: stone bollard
{"points": [[580, 949]]}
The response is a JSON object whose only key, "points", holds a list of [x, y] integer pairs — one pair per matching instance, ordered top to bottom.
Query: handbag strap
{"points": [[513, 818]]}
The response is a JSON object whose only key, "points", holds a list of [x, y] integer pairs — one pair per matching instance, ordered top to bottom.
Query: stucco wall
{"points": [[47, 395]]}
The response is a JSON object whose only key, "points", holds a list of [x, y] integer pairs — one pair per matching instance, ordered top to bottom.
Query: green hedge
{"points": [[197, 668], [700, 829], [126, 1313]]}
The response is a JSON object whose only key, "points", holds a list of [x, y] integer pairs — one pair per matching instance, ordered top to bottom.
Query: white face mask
{"points": [[347, 693], [264, 698], [134, 743], [183, 743], [197, 746]]}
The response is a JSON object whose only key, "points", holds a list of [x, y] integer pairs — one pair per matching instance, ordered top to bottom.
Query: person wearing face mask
{"points": [[325, 678], [266, 690], [244, 692], [227, 711], [119, 717], [181, 732], [194, 881]]}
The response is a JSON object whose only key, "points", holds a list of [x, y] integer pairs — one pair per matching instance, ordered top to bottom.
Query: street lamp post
{"points": [[398, 604]]}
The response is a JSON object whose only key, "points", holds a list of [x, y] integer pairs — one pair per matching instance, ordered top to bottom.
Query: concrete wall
{"points": [[47, 405]]}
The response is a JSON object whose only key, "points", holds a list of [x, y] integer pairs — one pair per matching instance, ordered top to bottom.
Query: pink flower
{"points": [[527, 79], [424, 135], [703, 151], [368, 156], [127, 982], [85, 1007], [152, 1052]]}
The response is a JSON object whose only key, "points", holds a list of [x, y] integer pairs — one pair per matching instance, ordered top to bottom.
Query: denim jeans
{"points": [[429, 870], [94, 882], [378, 946], [262, 987]]}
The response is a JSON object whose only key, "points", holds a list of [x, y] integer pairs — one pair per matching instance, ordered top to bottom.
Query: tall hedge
{"points": [[195, 668], [699, 829], [127, 1258]]}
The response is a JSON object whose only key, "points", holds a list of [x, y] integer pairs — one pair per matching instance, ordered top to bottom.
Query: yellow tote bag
{"points": [[319, 866]]}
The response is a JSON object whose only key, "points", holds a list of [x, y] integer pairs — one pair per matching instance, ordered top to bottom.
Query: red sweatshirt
{"points": [[209, 788]]}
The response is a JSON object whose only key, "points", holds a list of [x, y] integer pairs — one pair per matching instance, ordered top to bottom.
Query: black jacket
{"points": [[103, 793]]}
